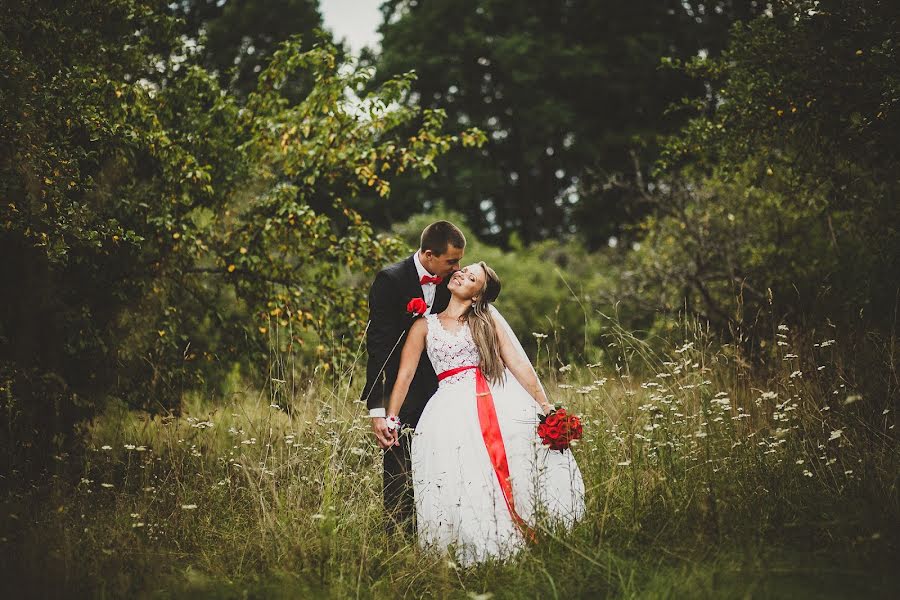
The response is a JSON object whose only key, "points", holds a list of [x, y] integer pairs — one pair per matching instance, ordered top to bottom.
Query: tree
{"points": [[238, 38], [566, 91], [782, 201], [156, 232]]}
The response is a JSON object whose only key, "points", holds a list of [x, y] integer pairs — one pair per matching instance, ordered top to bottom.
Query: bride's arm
{"points": [[409, 361], [521, 369]]}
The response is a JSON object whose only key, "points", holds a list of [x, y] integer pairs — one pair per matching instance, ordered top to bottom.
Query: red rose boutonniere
{"points": [[416, 307], [558, 429]]}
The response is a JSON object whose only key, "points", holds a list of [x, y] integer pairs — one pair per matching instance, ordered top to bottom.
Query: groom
{"points": [[423, 275]]}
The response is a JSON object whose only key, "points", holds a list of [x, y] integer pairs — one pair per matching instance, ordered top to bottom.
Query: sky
{"points": [[355, 21]]}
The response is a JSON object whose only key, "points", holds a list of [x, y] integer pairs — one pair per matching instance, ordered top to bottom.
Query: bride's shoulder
{"points": [[419, 327]]}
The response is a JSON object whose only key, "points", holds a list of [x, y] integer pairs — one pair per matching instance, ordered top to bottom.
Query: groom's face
{"points": [[443, 265]]}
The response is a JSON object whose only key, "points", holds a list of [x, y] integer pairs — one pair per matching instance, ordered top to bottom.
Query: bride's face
{"points": [[467, 282]]}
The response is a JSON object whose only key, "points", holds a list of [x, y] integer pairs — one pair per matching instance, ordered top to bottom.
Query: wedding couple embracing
{"points": [[455, 405]]}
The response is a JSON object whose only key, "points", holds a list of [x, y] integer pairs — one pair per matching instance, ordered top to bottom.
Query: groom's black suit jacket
{"points": [[393, 288]]}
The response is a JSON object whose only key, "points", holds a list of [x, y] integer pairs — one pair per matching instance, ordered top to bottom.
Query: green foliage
{"points": [[237, 38], [815, 84], [566, 92], [779, 199], [157, 230], [701, 478]]}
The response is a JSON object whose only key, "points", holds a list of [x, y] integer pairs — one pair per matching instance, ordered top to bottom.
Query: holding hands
{"points": [[387, 431], [384, 434]]}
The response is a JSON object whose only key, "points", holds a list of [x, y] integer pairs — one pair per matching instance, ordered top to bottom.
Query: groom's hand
{"points": [[383, 434]]}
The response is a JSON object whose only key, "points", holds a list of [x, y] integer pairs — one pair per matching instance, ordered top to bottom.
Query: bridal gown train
{"points": [[460, 505]]}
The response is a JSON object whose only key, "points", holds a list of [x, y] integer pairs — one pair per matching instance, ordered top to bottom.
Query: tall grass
{"points": [[705, 477]]}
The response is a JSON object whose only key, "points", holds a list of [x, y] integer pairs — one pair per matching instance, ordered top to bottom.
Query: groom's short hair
{"points": [[440, 234]]}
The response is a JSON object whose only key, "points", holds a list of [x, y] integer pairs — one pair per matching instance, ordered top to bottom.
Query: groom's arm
{"points": [[382, 342]]}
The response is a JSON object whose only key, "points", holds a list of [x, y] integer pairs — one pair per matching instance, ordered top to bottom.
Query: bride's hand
{"points": [[393, 424], [383, 434]]}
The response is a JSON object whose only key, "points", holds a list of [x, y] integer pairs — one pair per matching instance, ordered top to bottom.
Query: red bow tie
{"points": [[426, 279]]}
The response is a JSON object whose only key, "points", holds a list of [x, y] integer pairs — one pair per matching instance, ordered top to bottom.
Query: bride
{"points": [[481, 477]]}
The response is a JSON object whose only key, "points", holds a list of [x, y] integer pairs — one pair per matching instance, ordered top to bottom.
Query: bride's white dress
{"points": [[460, 506]]}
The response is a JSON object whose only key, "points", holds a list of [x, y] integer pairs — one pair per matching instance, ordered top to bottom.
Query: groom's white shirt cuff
{"points": [[376, 412]]}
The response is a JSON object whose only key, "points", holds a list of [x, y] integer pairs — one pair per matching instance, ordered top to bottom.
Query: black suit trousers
{"points": [[399, 502]]}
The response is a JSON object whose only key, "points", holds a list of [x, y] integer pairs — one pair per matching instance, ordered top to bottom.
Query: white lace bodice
{"points": [[448, 350]]}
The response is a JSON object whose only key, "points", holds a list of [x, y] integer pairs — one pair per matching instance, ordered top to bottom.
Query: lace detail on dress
{"points": [[448, 350]]}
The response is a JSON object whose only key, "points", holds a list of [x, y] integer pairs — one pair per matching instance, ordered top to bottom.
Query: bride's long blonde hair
{"points": [[484, 332]]}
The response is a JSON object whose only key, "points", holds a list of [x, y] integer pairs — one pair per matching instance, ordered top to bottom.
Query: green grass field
{"points": [[703, 481]]}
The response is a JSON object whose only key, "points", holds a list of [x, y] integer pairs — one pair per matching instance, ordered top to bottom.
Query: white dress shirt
{"points": [[428, 291]]}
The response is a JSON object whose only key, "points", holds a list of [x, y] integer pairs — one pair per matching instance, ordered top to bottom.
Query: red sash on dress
{"points": [[493, 441]]}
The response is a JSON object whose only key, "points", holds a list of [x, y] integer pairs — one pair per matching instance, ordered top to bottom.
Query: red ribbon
{"points": [[493, 441]]}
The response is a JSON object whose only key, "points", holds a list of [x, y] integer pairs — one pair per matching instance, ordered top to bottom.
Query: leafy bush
{"points": [[155, 230]]}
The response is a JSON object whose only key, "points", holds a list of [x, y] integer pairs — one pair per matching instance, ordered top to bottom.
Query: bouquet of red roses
{"points": [[558, 429]]}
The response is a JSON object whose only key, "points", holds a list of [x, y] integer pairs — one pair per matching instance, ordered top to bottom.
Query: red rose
{"points": [[416, 307], [558, 428]]}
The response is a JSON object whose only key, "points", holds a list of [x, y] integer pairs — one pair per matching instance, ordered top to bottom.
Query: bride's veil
{"points": [[510, 378]]}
